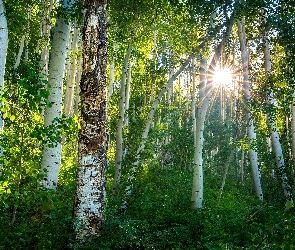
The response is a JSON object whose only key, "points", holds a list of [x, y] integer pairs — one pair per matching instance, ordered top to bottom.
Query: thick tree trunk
{"points": [[3, 53], [250, 126], [119, 132], [52, 155], [91, 176]]}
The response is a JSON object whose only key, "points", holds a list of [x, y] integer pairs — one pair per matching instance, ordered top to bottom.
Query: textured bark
{"points": [[3, 53], [68, 104], [250, 126], [119, 132], [275, 137], [51, 159], [91, 176]]}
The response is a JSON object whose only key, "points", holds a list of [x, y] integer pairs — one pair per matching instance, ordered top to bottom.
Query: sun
{"points": [[223, 77]]}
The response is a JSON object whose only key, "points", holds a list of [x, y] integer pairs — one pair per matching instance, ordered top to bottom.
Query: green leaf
{"points": [[12, 118], [289, 204]]}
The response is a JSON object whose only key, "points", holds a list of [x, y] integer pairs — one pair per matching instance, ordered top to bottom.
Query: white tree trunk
{"points": [[20, 52], [3, 53], [112, 80], [77, 94], [69, 95], [127, 99], [204, 100], [250, 126], [293, 127], [119, 132], [275, 137], [52, 155], [197, 189]]}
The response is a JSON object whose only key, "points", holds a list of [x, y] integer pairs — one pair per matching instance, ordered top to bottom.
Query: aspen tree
{"points": [[45, 33], [22, 43], [3, 53], [112, 79], [77, 88], [69, 95], [204, 99], [152, 112], [293, 126], [119, 132], [275, 137], [92, 145], [52, 153], [256, 176], [197, 189]]}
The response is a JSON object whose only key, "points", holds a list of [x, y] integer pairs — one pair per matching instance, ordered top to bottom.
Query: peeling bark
{"points": [[91, 176]]}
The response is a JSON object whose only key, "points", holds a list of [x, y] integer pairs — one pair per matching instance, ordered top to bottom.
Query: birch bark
{"points": [[3, 53], [250, 126], [52, 155], [91, 176]]}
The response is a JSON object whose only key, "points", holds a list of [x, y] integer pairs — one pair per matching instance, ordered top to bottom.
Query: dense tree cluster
{"points": [[147, 124]]}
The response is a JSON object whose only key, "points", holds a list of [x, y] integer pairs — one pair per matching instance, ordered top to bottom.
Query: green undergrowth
{"points": [[158, 216]]}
